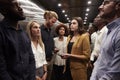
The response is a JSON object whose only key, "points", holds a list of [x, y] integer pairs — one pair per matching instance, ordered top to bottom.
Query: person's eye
{"points": [[106, 2]]}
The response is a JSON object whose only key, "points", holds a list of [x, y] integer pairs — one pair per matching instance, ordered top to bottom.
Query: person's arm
{"points": [[86, 51], [31, 64], [114, 68], [45, 72], [4, 75]]}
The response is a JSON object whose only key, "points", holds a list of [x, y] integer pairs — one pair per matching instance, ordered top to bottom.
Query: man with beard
{"points": [[47, 37], [16, 56], [107, 66]]}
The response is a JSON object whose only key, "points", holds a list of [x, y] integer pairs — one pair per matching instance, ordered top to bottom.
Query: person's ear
{"points": [[3, 11]]}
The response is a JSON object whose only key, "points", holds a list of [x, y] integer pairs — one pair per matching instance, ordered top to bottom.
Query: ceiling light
{"points": [[89, 2], [59, 4], [87, 9], [63, 11], [86, 14], [66, 15], [85, 17], [67, 18], [85, 20], [69, 21], [84, 23]]}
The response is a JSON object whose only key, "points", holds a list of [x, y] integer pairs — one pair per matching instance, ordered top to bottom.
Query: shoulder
{"points": [[42, 26], [85, 35], [65, 37], [55, 38]]}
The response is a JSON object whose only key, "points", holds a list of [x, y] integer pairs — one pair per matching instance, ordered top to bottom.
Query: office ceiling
{"points": [[72, 8]]}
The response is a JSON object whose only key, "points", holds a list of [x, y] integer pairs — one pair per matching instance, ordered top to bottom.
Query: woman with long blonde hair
{"points": [[33, 30]]}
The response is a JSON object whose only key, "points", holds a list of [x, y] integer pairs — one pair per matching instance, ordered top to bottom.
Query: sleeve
{"points": [[86, 46], [31, 64], [114, 71], [4, 75]]}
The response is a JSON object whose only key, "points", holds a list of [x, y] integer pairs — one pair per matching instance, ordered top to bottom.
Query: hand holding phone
{"points": [[56, 50], [65, 56]]}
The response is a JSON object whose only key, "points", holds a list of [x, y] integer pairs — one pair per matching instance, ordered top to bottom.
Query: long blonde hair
{"points": [[29, 26]]}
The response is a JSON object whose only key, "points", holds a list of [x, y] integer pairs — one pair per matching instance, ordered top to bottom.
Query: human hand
{"points": [[56, 50], [65, 56], [44, 76], [38, 78]]}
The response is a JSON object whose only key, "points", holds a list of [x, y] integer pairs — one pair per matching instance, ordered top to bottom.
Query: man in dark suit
{"points": [[16, 56]]}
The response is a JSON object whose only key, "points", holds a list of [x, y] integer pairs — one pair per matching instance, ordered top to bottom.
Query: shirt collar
{"points": [[113, 24], [45, 28]]}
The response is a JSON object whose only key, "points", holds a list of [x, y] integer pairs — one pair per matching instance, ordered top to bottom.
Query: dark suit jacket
{"points": [[16, 56]]}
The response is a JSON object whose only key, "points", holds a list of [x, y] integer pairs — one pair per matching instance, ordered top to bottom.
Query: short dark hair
{"points": [[4, 5], [59, 26]]}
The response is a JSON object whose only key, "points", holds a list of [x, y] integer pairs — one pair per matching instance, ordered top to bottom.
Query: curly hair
{"points": [[58, 28]]}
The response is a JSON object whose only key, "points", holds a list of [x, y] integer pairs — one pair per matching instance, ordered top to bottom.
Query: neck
{"points": [[111, 19], [13, 23], [45, 24], [101, 26], [75, 33], [60, 37], [35, 39], [35, 42]]}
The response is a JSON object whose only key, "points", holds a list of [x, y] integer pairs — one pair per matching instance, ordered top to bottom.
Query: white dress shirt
{"points": [[93, 37], [99, 37], [61, 45], [39, 55]]}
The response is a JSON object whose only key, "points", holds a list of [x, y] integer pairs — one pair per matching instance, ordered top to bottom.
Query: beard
{"points": [[109, 15], [16, 17], [48, 24]]}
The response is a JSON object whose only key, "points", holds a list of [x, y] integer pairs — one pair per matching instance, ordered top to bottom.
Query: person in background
{"points": [[50, 18], [33, 30], [102, 30], [93, 35], [99, 35], [60, 48], [78, 51], [16, 56], [107, 66]]}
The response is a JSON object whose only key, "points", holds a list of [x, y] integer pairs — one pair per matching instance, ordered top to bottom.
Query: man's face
{"points": [[107, 9], [15, 12], [51, 21], [97, 21]]}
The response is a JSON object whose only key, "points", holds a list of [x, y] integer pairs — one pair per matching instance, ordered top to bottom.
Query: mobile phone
{"points": [[60, 55]]}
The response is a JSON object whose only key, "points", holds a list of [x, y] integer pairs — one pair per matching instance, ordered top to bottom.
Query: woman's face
{"points": [[74, 25], [35, 30], [62, 31]]}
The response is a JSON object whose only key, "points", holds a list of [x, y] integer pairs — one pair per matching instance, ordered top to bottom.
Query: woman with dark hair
{"points": [[60, 48], [78, 51]]}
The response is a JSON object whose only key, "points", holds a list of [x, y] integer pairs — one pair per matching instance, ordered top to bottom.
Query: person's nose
{"points": [[100, 7]]}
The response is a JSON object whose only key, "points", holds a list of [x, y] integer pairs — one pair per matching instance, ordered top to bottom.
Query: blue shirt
{"points": [[16, 56], [107, 66]]}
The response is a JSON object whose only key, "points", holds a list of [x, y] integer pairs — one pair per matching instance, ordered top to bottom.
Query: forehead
{"points": [[74, 20]]}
